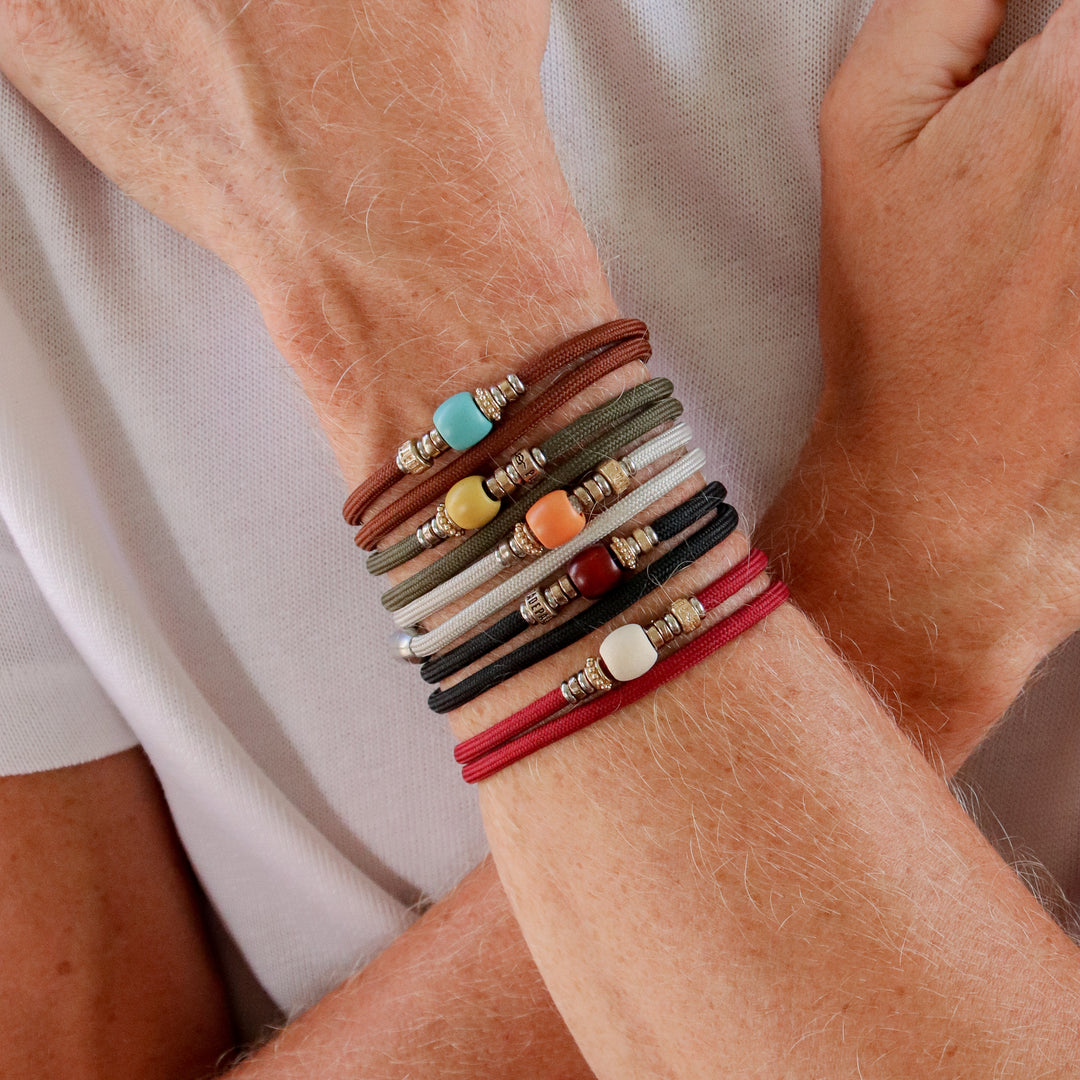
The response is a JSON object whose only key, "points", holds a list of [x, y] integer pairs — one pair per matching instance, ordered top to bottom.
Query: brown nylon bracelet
{"points": [[600, 337], [429, 490]]}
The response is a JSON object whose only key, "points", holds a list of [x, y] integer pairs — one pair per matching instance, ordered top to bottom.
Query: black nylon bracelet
{"points": [[667, 527], [477, 545], [603, 611]]}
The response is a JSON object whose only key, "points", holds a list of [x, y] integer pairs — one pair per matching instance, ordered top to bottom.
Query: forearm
{"points": [[930, 528], [754, 874], [831, 900], [607, 995], [456, 996]]}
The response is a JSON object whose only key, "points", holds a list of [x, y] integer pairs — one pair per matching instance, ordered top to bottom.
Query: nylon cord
{"points": [[576, 348], [579, 433], [435, 484], [654, 488], [666, 527], [474, 547], [490, 566], [725, 587], [581, 625], [678, 662]]}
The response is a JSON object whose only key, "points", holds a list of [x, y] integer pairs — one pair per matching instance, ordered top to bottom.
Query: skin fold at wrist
{"points": [[376, 359]]}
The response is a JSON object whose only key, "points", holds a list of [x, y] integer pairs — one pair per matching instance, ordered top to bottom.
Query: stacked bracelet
{"points": [[464, 419], [431, 487], [653, 489], [474, 501], [550, 522], [559, 526], [666, 527], [484, 540], [614, 604], [625, 654], [483, 763]]}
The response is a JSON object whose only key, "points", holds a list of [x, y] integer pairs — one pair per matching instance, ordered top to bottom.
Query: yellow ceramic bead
{"points": [[469, 505]]}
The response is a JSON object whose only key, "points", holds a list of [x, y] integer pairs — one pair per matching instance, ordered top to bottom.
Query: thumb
{"points": [[908, 60]]}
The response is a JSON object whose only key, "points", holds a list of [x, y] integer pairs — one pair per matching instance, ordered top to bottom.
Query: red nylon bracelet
{"points": [[604, 336], [726, 586], [627, 693], [504, 736]]}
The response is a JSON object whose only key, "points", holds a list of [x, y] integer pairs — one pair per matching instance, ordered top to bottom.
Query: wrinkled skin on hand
{"points": [[215, 113], [380, 174], [943, 470]]}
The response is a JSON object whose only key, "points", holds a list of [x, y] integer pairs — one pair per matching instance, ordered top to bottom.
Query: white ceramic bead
{"points": [[627, 652]]}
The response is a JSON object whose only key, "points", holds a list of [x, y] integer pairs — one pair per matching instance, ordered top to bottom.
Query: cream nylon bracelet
{"points": [[615, 478], [653, 489]]}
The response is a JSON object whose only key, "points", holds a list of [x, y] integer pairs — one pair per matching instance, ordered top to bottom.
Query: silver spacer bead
{"points": [[511, 388], [491, 400], [487, 404], [416, 455], [409, 460], [523, 468], [611, 477], [590, 493], [441, 527], [646, 539], [522, 544], [629, 549], [625, 551], [541, 604], [535, 609], [684, 617], [690, 620], [663, 630], [401, 642], [591, 679]]}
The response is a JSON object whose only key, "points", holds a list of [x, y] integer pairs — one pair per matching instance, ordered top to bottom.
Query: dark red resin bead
{"points": [[594, 571]]}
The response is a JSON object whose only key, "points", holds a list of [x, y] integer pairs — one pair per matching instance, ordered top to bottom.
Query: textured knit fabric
{"points": [[141, 403]]}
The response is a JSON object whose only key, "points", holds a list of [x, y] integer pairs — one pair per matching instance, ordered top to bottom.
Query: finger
{"points": [[910, 58]]}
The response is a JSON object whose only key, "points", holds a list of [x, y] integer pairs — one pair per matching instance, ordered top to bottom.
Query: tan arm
{"points": [[106, 969]]}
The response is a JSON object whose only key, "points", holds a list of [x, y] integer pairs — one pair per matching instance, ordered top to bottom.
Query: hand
{"points": [[220, 115], [380, 175], [937, 500]]}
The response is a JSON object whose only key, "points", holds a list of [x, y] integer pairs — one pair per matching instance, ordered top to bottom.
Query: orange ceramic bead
{"points": [[554, 519]]}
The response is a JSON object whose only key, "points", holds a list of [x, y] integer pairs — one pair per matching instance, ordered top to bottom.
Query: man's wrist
{"points": [[377, 343], [375, 372], [892, 582]]}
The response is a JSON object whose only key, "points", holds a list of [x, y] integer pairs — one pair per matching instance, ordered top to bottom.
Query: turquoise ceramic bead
{"points": [[460, 422]]}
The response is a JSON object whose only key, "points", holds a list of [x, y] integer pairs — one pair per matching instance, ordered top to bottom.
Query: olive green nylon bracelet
{"points": [[576, 434], [486, 538]]}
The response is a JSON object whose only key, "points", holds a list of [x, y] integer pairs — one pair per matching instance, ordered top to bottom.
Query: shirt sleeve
{"points": [[53, 713]]}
